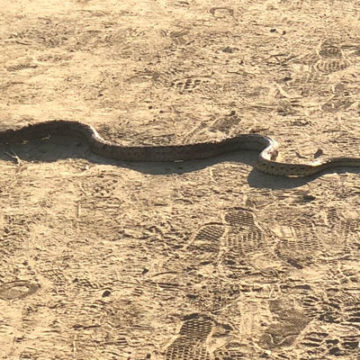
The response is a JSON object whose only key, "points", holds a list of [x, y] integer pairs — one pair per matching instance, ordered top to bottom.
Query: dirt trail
{"points": [[201, 260]]}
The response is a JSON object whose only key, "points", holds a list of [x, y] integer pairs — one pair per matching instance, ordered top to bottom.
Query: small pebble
{"points": [[106, 293]]}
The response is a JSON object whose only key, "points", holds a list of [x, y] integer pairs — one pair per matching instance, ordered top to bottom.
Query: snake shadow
{"points": [[60, 147]]}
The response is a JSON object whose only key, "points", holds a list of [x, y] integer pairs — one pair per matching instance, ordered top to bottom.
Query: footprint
{"points": [[221, 12], [329, 50], [331, 58], [331, 65], [190, 84], [239, 218], [244, 240], [205, 245], [17, 289], [352, 313], [290, 322], [191, 340], [313, 343], [320, 343], [351, 343], [232, 351]]}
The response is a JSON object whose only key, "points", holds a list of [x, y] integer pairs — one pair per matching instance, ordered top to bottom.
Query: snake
{"points": [[266, 146]]}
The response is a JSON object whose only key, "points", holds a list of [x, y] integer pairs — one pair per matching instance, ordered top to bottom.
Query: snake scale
{"points": [[267, 147]]}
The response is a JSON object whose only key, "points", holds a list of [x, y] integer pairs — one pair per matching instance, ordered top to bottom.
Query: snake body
{"points": [[267, 147]]}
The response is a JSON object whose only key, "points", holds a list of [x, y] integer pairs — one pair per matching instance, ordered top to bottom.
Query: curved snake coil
{"points": [[267, 147]]}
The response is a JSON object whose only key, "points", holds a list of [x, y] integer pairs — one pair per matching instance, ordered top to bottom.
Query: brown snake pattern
{"points": [[267, 147]]}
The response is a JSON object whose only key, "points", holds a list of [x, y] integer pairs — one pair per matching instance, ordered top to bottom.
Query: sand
{"points": [[199, 260]]}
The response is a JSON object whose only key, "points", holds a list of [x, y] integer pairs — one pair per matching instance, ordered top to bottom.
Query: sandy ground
{"points": [[200, 260]]}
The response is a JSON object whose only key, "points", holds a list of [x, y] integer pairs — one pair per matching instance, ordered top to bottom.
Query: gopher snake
{"points": [[265, 145]]}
